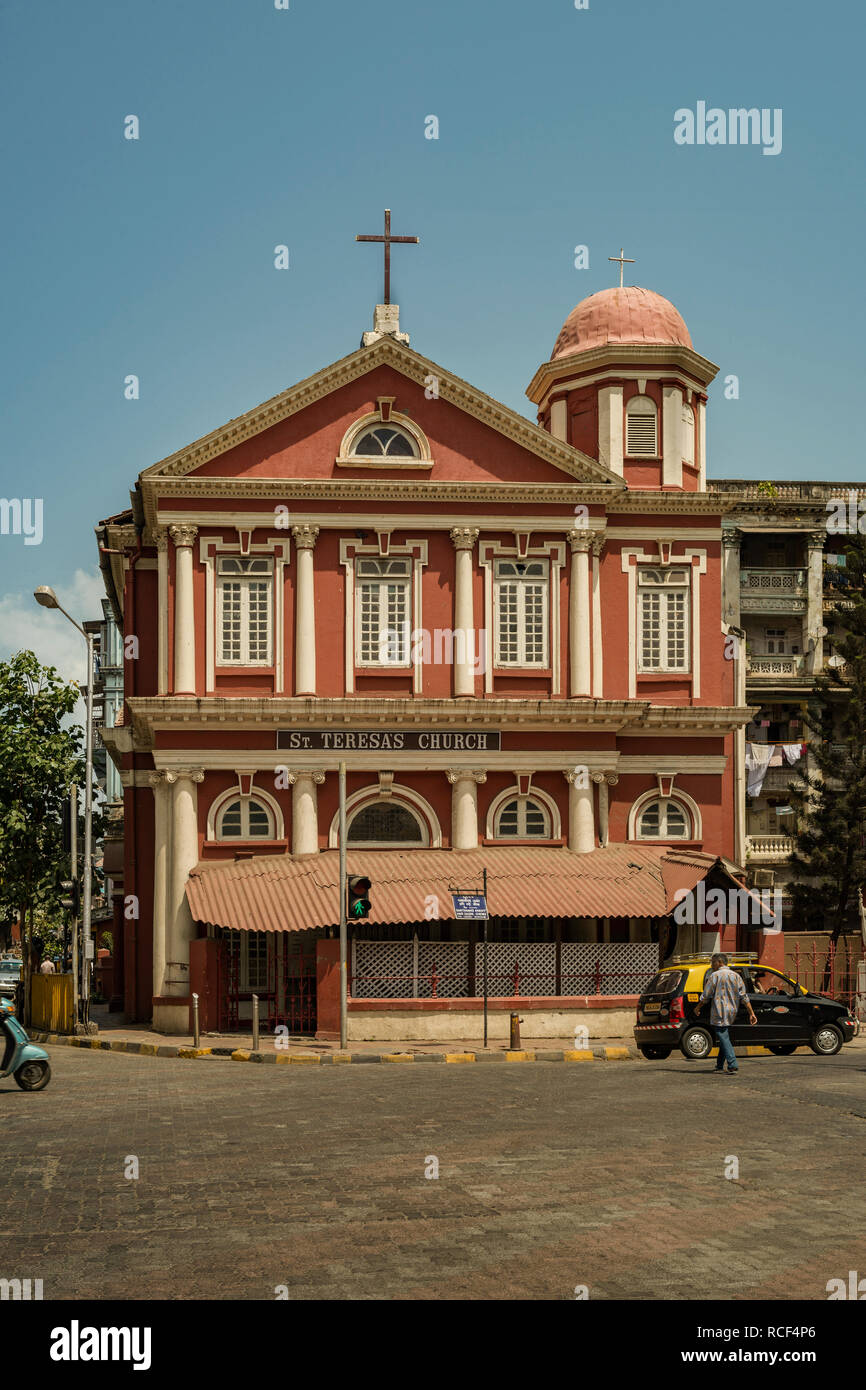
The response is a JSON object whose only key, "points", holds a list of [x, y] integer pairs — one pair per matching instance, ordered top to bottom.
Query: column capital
{"points": [[183, 535], [305, 536], [463, 537], [731, 537], [160, 538], [580, 539], [815, 540], [598, 541], [184, 774], [466, 774], [315, 775], [577, 776], [610, 779], [158, 780]]}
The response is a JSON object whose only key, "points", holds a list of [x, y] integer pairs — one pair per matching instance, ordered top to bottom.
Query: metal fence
{"points": [[825, 968], [450, 970]]}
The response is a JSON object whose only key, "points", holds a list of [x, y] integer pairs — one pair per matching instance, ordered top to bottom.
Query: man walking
{"points": [[726, 989]]}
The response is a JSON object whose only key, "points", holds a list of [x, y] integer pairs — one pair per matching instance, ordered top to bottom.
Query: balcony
{"points": [[773, 590], [769, 669], [778, 779], [768, 849]]}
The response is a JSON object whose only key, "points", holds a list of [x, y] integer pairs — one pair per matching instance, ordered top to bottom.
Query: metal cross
{"points": [[387, 239], [623, 262]]}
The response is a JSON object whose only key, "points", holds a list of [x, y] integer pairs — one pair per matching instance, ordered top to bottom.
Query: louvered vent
{"points": [[641, 434]]}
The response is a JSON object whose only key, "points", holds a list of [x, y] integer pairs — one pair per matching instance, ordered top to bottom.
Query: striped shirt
{"points": [[726, 989]]}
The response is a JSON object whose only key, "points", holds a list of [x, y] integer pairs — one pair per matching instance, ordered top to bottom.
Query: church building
{"points": [[511, 633]]}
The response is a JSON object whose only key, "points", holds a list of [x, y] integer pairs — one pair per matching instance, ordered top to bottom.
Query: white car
{"points": [[10, 974]]}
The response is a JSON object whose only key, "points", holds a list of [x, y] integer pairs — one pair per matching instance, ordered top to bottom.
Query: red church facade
{"points": [[512, 635]]}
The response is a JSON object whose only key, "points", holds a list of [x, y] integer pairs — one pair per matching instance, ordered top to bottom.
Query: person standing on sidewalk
{"points": [[726, 989]]}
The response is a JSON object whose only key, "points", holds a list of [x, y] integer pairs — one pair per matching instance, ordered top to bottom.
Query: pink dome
{"points": [[629, 315]]}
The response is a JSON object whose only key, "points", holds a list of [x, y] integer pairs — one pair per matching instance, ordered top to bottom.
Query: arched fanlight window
{"points": [[641, 427], [688, 434], [384, 441], [245, 819], [523, 819], [664, 819], [385, 823]]}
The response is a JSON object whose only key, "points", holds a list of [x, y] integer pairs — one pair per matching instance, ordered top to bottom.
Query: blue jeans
{"points": [[726, 1051]]}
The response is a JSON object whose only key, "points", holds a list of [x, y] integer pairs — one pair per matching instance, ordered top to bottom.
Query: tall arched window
{"points": [[641, 419], [688, 435], [245, 819], [522, 819], [664, 819], [385, 823]]}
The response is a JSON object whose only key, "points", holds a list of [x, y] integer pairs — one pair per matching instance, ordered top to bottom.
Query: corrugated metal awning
{"points": [[279, 893]]}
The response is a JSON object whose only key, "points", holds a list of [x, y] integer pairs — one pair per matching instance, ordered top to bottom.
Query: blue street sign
{"points": [[470, 905]]}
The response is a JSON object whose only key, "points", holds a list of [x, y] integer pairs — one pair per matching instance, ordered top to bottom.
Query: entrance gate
{"points": [[279, 967]]}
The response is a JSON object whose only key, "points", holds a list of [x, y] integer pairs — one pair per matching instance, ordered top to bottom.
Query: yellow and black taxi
{"points": [[788, 1016]]}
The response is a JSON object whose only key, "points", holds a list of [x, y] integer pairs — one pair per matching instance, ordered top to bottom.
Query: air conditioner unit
{"points": [[764, 878]]}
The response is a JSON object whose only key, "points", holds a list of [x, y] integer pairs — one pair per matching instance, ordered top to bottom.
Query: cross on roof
{"points": [[387, 239], [623, 262]]}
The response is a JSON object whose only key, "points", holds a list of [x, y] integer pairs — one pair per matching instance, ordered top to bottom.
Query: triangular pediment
{"points": [[558, 462]]}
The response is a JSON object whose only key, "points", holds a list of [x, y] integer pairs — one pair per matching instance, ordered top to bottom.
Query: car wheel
{"points": [[826, 1040], [696, 1044], [782, 1049], [654, 1053], [33, 1076]]}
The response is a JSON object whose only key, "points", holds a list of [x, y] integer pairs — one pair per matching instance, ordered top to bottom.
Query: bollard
{"points": [[255, 1023], [515, 1032], [196, 1035]]}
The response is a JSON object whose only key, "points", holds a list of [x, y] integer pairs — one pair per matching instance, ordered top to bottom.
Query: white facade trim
{"points": [[687, 801]]}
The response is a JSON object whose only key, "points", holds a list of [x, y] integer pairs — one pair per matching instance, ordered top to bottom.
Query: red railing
{"points": [[829, 969]]}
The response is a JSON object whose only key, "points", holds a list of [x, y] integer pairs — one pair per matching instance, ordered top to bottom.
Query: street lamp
{"points": [[46, 597]]}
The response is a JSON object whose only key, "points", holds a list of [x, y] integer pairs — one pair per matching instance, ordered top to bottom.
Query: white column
{"points": [[559, 418], [672, 436], [610, 442], [702, 445], [463, 539], [731, 540], [815, 599], [184, 610], [305, 611], [162, 613], [579, 618], [597, 644], [603, 780], [464, 807], [305, 811], [581, 818], [184, 857], [161, 860]]}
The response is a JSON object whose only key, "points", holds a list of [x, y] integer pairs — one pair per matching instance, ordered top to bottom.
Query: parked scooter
{"points": [[21, 1058]]}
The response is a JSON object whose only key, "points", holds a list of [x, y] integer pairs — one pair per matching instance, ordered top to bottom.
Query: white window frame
{"points": [[643, 408], [688, 435], [384, 458], [244, 571], [504, 575], [667, 584], [399, 655], [664, 802], [523, 804], [245, 836], [421, 843]]}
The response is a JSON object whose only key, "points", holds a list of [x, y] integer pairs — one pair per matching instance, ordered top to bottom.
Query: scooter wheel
{"points": [[33, 1076]]}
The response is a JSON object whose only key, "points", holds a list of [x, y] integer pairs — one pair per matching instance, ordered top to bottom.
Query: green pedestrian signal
{"points": [[358, 904]]}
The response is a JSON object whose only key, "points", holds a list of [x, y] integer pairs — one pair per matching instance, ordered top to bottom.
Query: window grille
{"points": [[641, 427], [244, 596], [382, 599], [521, 607], [663, 643], [245, 819], [664, 820], [384, 822]]}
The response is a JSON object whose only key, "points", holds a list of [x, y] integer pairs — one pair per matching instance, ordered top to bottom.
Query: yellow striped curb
{"points": [[148, 1049], [193, 1052], [617, 1054], [241, 1055], [341, 1056], [459, 1056], [520, 1056], [578, 1056], [304, 1057], [397, 1057]]}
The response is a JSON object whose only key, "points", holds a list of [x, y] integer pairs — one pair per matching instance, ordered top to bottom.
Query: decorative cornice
{"points": [[614, 355]]}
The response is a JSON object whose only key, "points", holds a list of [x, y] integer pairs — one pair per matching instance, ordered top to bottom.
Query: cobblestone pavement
{"points": [[549, 1178]]}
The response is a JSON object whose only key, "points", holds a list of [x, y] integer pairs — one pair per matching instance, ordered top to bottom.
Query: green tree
{"points": [[40, 760], [830, 844]]}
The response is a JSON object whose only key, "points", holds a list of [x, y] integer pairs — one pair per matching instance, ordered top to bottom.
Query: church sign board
{"points": [[390, 740]]}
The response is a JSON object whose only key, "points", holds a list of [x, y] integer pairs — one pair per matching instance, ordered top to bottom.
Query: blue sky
{"points": [[261, 126]]}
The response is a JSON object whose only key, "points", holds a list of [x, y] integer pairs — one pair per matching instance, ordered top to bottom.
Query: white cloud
{"points": [[26, 626]]}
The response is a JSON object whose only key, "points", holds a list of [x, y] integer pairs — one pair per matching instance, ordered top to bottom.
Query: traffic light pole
{"points": [[88, 836], [486, 917], [343, 933]]}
